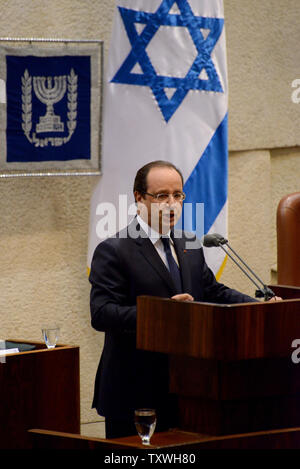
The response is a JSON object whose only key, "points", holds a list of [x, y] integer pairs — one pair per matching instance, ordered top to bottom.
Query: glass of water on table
{"points": [[51, 335], [145, 422]]}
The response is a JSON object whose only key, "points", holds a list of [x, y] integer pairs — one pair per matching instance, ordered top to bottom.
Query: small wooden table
{"points": [[38, 388]]}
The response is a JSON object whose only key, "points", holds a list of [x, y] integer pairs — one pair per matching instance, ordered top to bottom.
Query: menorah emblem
{"points": [[50, 94]]}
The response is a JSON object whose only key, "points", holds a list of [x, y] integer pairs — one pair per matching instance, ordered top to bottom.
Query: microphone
{"points": [[213, 240], [217, 240]]}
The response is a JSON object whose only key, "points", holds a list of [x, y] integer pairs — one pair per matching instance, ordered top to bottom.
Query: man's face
{"points": [[161, 216]]}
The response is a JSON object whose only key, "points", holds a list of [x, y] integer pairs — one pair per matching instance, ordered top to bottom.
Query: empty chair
{"points": [[288, 240]]}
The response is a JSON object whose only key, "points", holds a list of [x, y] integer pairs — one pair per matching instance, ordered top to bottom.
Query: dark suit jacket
{"points": [[122, 269]]}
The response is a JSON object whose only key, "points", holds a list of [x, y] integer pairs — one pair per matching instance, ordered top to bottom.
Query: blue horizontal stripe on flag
{"points": [[208, 181]]}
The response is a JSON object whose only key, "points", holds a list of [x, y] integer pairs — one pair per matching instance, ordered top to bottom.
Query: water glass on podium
{"points": [[51, 335], [145, 422]]}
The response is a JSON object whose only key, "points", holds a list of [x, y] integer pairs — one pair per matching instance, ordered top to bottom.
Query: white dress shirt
{"points": [[155, 239]]}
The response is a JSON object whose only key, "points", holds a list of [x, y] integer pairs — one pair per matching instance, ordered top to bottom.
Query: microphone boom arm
{"points": [[211, 240], [239, 266], [263, 291]]}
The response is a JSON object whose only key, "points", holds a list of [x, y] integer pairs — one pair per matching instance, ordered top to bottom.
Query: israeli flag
{"points": [[166, 98]]}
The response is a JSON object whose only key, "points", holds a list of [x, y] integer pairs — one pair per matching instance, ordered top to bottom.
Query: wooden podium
{"points": [[230, 365], [38, 389]]}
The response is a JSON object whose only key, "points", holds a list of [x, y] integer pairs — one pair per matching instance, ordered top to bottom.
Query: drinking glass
{"points": [[51, 335], [145, 422]]}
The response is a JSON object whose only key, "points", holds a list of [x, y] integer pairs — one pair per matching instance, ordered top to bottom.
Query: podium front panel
{"points": [[218, 332], [230, 366], [40, 389]]}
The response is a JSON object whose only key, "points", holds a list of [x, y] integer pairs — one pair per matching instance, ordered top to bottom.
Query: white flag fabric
{"points": [[165, 98]]}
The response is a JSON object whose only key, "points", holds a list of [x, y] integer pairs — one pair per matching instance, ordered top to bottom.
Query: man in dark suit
{"points": [[147, 258]]}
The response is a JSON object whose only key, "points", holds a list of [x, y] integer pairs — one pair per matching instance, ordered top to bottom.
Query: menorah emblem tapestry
{"points": [[53, 108]]}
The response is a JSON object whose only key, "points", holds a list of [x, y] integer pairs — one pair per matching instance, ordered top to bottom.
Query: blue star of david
{"points": [[149, 77]]}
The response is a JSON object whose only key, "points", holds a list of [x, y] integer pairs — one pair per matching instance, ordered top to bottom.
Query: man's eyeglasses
{"points": [[177, 196]]}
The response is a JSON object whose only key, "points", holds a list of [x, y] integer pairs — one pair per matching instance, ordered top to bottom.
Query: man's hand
{"points": [[183, 297], [275, 298]]}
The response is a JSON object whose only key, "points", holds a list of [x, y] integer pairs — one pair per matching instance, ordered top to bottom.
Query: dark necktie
{"points": [[173, 267]]}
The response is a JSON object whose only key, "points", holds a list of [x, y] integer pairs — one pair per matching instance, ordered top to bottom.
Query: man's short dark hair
{"points": [[140, 182]]}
